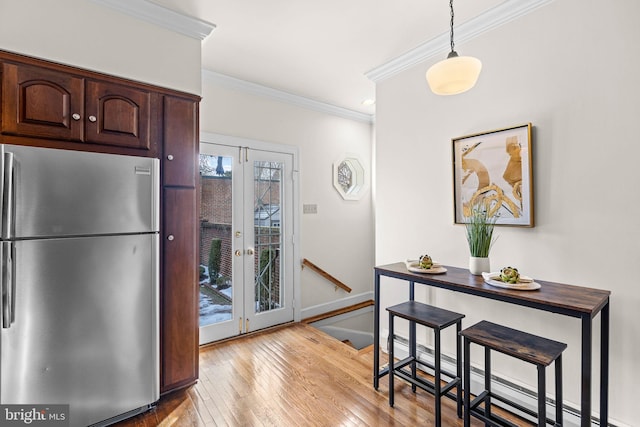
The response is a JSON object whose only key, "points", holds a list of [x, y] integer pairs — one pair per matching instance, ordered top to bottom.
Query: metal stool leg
{"points": [[412, 351], [459, 367], [558, 369], [391, 375], [437, 377], [467, 383], [487, 383], [542, 393]]}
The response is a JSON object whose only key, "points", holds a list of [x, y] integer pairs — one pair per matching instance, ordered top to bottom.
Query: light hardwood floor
{"points": [[292, 376]]}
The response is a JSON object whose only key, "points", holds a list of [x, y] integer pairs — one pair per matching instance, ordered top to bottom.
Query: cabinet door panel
{"points": [[41, 103], [118, 115], [180, 157], [180, 290]]}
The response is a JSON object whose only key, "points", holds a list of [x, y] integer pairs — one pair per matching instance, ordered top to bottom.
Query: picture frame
{"points": [[494, 171], [349, 177]]}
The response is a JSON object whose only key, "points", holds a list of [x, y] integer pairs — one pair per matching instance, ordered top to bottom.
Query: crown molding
{"points": [[161, 16], [439, 45], [279, 95]]}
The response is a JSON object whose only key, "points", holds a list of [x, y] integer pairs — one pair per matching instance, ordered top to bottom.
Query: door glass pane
{"points": [[268, 238], [216, 281]]}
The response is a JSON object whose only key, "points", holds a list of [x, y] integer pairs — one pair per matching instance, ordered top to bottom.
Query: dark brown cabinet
{"points": [[43, 103], [57, 106], [118, 115], [180, 158], [179, 290]]}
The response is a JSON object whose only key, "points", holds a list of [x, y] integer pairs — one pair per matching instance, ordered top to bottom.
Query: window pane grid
{"points": [[268, 236]]}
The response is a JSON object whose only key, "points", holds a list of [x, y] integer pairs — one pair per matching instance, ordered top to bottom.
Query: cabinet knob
{"points": [[75, 116], [92, 119], [170, 157], [170, 237], [250, 251], [238, 252]]}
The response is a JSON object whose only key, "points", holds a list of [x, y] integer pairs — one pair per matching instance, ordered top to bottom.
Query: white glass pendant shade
{"points": [[454, 75]]}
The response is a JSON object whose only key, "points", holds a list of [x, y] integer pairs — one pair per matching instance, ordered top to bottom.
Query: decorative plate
{"points": [[414, 266], [524, 283]]}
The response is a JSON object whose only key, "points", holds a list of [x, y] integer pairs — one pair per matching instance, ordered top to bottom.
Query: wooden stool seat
{"points": [[426, 315], [436, 319], [521, 345]]}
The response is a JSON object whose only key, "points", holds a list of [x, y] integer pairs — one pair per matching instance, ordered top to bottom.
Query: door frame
{"points": [[254, 144]]}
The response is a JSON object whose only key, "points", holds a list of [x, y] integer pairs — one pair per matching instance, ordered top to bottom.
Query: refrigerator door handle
{"points": [[7, 196], [7, 285]]}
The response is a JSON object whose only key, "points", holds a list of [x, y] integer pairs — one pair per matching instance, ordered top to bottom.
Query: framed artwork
{"points": [[493, 170], [348, 177]]}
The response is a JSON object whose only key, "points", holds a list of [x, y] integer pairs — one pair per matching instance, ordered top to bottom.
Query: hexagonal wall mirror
{"points": [[348, 177]]}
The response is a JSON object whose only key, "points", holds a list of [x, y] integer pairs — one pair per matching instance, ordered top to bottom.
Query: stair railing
{"points": [[329, 277]]}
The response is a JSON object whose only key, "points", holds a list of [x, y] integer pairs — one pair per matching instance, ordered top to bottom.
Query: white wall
{"points": [[87, 35], [571, 69], [339, 238]]}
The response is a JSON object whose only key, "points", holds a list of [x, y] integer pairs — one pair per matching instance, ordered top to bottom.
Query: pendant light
{"points": [[456, 74]]}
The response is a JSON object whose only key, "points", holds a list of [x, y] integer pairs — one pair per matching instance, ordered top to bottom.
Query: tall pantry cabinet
{"points": [[52, 105], [180, 160]]}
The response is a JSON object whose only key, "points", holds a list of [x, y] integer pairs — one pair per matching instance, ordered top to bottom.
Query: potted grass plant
{"points": [[479, 227]]}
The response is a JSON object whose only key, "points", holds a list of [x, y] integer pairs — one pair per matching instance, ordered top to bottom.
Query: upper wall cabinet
{"points": [[42, 103], [117, 115], [180, 141]]}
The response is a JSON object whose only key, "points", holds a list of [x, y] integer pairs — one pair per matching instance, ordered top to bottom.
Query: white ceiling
{"points": [[319, 49]]}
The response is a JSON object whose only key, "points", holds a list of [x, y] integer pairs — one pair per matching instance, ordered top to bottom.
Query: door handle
{"points": [[7, 197], [7, 285]]}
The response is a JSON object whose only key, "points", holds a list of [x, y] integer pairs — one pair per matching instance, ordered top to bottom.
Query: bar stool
{"points": [[436, 319], [521, 345]]}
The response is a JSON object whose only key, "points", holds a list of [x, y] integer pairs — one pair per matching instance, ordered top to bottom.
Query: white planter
{"points": [[479, 265]]}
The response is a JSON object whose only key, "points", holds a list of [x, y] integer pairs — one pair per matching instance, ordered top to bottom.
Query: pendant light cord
{"points": [[451, 7]]}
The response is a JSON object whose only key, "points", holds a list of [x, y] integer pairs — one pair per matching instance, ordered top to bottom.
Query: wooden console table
{"points": [[573, 301]]}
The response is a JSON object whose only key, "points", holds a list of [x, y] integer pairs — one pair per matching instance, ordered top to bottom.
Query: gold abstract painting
{"points": [[493, 170]]}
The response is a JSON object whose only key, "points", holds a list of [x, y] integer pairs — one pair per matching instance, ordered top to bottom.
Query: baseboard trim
{"points": [[341, 303], [340, 314]]}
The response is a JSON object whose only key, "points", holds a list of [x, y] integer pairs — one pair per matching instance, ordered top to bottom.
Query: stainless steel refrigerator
{"points": [[79, 251]]}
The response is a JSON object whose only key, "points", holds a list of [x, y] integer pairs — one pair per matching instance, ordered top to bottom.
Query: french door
{"points": [[246, 228]]}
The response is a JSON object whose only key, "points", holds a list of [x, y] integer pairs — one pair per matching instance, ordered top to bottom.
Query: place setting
{"points": [[425, 265], [510, 278]]}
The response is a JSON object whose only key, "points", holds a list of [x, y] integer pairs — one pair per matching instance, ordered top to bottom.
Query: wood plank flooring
{"points": [[291, 376]]}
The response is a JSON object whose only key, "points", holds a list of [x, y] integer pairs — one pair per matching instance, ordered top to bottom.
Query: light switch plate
{"points": [[310, 209]]}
